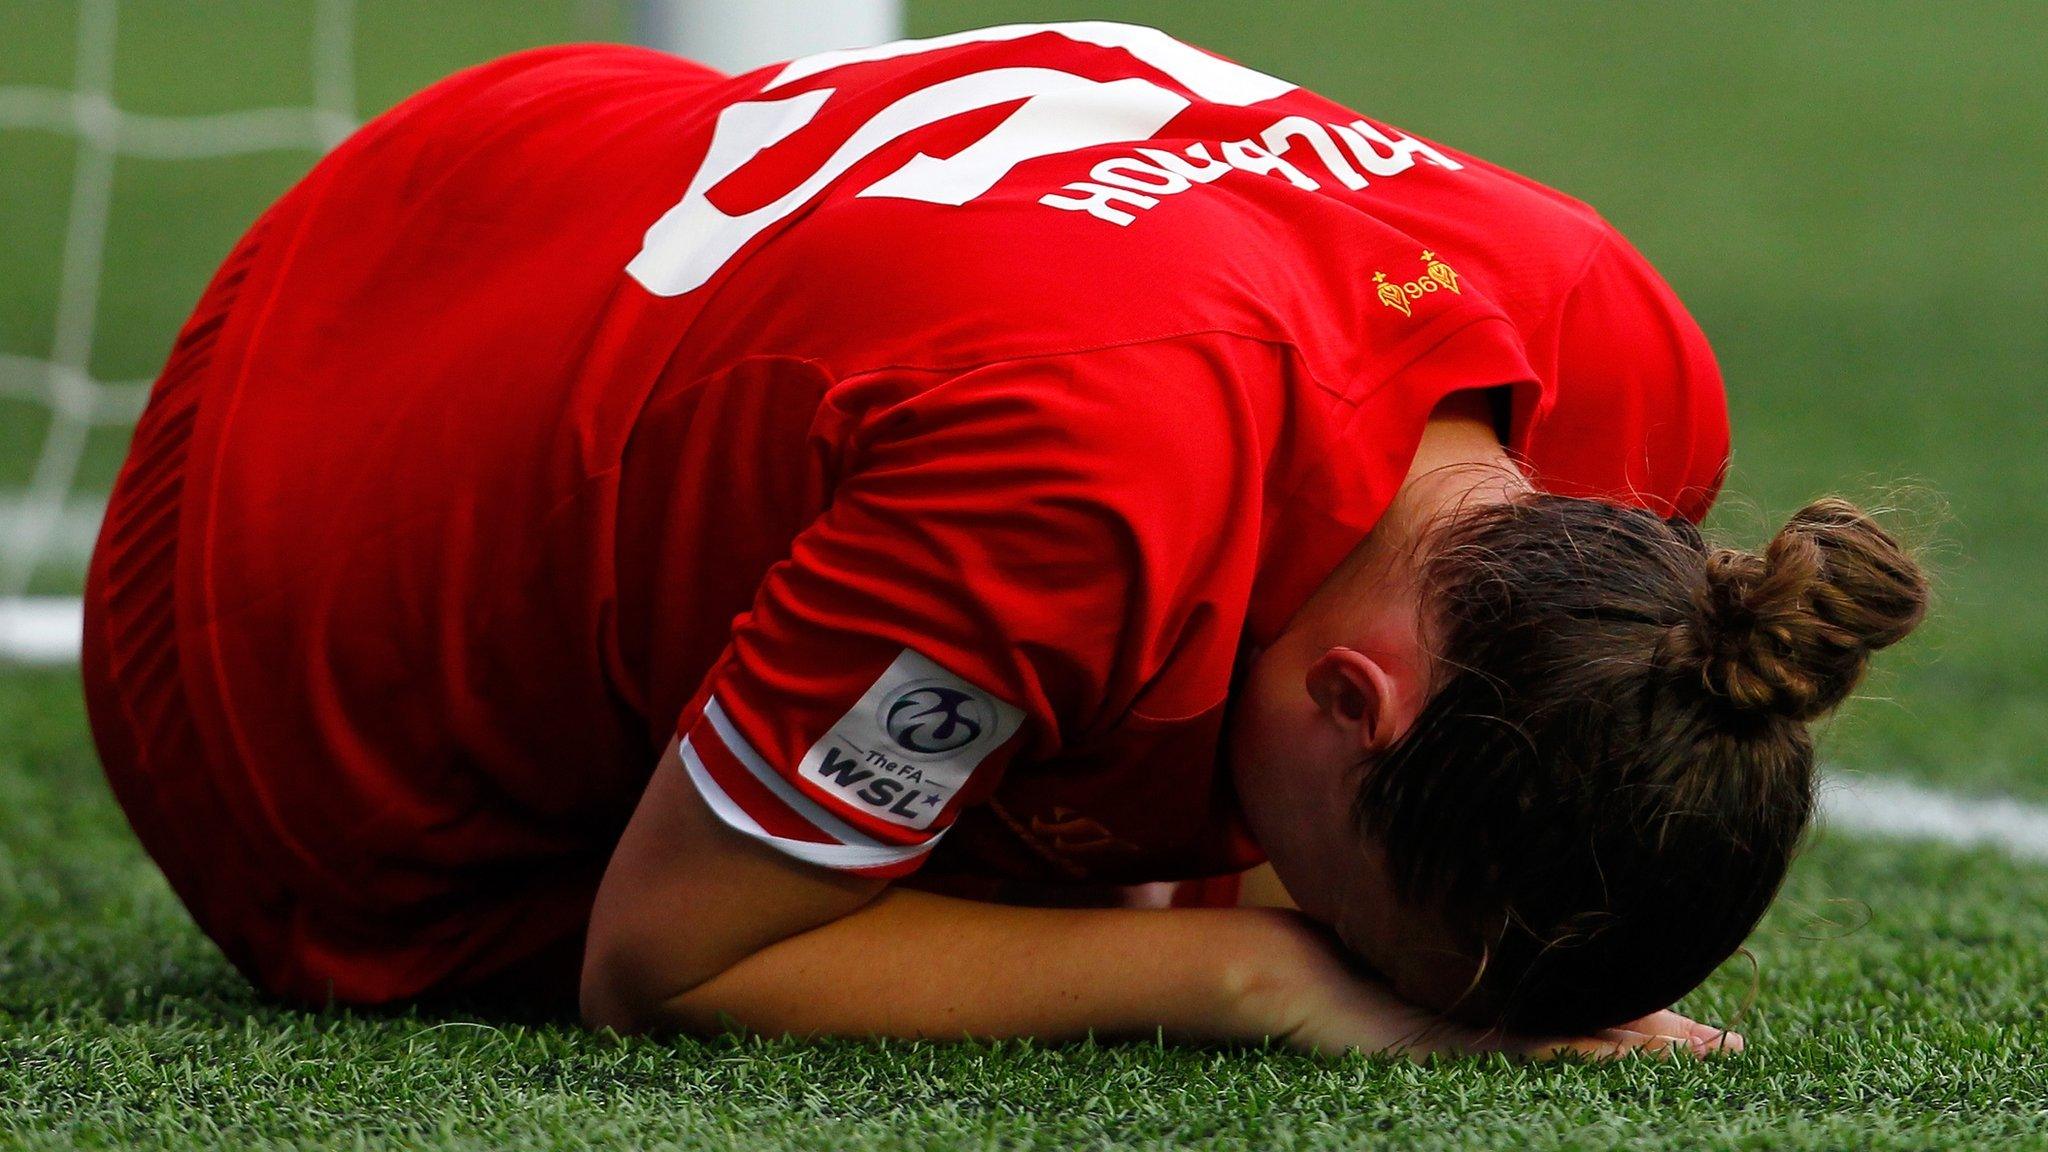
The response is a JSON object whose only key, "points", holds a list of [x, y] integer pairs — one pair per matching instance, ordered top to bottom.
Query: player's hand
{"points": [[1310, 996], [1703, 1039]]}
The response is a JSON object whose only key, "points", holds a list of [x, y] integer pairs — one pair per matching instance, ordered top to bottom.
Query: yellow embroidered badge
{"points": [[1436, 276]]}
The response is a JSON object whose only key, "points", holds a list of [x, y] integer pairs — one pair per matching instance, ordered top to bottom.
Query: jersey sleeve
{"points": [[1640, 413], [1009, 557]]}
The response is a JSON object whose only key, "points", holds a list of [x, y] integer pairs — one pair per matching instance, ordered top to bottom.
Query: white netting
{"points": [[48, 521], [47, 525]]}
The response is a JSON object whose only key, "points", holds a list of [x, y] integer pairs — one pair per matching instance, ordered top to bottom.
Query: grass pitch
{"points": [[1848, 199], [1897, 1007]]}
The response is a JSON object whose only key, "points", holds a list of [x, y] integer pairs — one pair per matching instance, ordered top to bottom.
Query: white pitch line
{"points": [[41, 630], [47, 631], [1898, 809]]}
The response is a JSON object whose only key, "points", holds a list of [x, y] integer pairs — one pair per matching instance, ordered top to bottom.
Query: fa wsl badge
{"points": [[909, 744]]}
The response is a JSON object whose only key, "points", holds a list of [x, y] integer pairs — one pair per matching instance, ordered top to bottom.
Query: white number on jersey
{"points": [[1061, 112]]}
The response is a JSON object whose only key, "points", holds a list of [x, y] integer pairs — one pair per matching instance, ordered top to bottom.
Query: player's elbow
{"points": [[630, 985], [611, 994]]}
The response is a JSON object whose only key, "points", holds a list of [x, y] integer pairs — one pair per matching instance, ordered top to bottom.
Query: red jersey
{"points": [[917, 432]]}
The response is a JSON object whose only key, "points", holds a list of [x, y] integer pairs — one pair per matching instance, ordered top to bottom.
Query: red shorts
{"points": [[304, 928]]}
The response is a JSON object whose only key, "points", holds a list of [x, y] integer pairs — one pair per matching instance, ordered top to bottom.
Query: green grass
{"points": [[1848, 197], [1897, 1008]]}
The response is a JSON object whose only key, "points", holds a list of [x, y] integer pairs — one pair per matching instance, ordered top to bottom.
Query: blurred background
{"points": [[1849, 196]]}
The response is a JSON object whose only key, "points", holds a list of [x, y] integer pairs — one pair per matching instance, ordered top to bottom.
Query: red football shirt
{"points": [[918, 432]]}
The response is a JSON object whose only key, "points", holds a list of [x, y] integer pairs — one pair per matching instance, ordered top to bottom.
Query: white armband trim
{"points": [[814, 813], [839, 856]]}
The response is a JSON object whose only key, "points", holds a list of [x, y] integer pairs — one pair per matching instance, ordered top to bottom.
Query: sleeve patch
{"points": [[910, 743]]}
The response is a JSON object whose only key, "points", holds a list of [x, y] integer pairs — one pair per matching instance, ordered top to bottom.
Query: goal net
{"points": [[120, 189], [55, 404]]}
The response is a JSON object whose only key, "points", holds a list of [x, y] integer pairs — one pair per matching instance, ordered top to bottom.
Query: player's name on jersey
{"points": [[1057, 112], [1122, 185]]}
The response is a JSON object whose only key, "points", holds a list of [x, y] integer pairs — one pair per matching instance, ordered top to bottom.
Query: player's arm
{"points": [[1022, 540], [698, 928]]}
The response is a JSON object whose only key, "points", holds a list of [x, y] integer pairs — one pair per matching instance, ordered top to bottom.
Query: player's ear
{"points": [[1355, 693]]}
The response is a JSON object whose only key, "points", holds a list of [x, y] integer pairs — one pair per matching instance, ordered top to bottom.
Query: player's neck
{"points": [[1459, 466]]}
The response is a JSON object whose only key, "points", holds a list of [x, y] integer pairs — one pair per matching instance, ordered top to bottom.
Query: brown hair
{"points": [[1608, 786]]}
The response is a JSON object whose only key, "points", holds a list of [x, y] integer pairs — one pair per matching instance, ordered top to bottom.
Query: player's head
{"points": [[1586, 795]]}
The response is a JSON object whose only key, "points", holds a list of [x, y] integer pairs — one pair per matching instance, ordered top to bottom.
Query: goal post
{"points": [[736, 35]]}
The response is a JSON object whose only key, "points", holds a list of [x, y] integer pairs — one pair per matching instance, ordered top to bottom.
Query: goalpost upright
{"points": [[734, 35]]}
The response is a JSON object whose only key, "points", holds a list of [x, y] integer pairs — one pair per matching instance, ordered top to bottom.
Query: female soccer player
{"points": [[622, 532]]}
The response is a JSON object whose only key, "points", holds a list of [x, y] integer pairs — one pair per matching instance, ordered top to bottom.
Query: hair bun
{"points": [[1790, 632]]}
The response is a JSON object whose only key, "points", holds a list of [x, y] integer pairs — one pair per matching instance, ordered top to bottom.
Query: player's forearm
{"points": [[697, 925], [916, 965]]}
